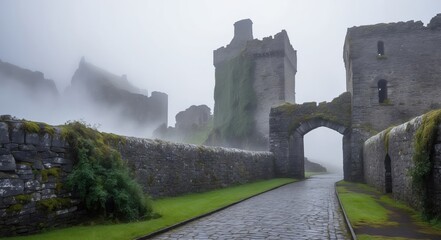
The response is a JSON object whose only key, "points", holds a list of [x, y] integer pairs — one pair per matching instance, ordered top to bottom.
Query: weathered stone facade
{"points": [[273, 67], [393, 73], [290, 122], [388, 160], [34, 169], [170, 169]]}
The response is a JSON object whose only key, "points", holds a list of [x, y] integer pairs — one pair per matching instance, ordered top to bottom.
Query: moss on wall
{"points": [[235, 101], [337, 111], [424, 140]]}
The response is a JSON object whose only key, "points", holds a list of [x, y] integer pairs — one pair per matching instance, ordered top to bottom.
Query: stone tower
{"points": [[393, 72], [251, 76]]}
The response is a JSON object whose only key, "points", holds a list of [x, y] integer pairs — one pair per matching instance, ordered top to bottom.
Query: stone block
{"points": [[4, 133], [17, 133], [33, 138], [57, 139], [45, 140], [11, 146], [27, 147], [58, 149], [4, 151], [47, 154], [25, 156], [62, 161], [7, 163], [37, 165], [24, 172], [4, 175], [26, 176], [32, 185], [11, 187]]}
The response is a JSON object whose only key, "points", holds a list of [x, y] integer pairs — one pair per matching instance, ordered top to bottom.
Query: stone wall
{"points": [[274, 65], [410, 65], [290, 122], [400, 149], [35, 163], [170, 169], [33, 171]]}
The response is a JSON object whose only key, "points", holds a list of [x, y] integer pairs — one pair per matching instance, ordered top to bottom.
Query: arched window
{"points": [[380, 48], [382, 91], [388, 174]]}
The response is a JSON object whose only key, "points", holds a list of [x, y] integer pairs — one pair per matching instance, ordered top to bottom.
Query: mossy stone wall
{"points": [[402, 144], [34, 164]]}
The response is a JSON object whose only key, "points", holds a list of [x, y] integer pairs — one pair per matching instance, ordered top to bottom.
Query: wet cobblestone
{"points": [[303, 210]]}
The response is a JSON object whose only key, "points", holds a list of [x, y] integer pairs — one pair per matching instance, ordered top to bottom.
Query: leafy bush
{"points": [[100, 177]]}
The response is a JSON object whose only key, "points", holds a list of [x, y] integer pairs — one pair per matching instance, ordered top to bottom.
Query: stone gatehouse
{"points": [[393, 73]]}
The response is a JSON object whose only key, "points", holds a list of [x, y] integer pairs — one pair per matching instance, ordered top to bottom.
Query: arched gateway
{"points": [[290, 122]]}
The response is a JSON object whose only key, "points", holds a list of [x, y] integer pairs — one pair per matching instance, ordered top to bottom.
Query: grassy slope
{"points": [[363, 209], [173, 210]]}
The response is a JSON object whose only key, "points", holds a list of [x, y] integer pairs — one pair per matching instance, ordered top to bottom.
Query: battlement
{"points": [[394, 28], [243, 41]]}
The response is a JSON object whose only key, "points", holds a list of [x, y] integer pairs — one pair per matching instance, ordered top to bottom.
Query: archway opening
{"points": [[324, 146], [388, 174]]}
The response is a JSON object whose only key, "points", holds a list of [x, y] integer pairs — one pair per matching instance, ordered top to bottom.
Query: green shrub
{"points": [[100, 177]]}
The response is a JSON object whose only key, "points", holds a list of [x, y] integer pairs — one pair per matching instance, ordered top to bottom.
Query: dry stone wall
{"points": [[398, 144], [34, 169], [170, 169]]}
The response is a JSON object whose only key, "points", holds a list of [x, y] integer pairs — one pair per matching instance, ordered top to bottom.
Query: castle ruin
{"points": [[251, 76]]}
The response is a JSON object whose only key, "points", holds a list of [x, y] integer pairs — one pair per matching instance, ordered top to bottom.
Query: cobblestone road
{"points": [[303, 210]]}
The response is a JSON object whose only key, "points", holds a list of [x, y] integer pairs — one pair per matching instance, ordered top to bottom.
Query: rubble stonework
{"points": [[403, 56], [273, 65], [398, 144], [34, 169], [33, 172]]}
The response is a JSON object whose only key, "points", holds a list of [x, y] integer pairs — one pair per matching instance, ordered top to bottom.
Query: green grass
{"points": [[309, 174], [362, 209], [365, 209], [173, 211], [374, 237]]}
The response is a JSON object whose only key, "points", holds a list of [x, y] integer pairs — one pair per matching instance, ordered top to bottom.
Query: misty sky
{"points": [[168, 45]]}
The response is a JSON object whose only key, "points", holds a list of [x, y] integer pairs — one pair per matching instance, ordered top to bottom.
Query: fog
{"points": [[168, 46]]}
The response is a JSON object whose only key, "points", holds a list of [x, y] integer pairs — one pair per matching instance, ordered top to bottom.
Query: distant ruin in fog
{"points": [[95, 95]]}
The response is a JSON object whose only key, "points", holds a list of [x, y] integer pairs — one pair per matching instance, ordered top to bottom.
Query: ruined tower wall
{"points": [[274, 65], [411, 66]]}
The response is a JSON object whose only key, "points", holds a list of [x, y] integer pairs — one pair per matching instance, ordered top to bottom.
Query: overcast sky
{"points": [[168, 45]]}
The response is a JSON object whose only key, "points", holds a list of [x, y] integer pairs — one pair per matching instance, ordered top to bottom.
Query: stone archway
{"points": [[290, 122]]}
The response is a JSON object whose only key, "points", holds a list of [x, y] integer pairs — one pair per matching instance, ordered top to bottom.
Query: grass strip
{"points": [[362, 209], [173, 211]]}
